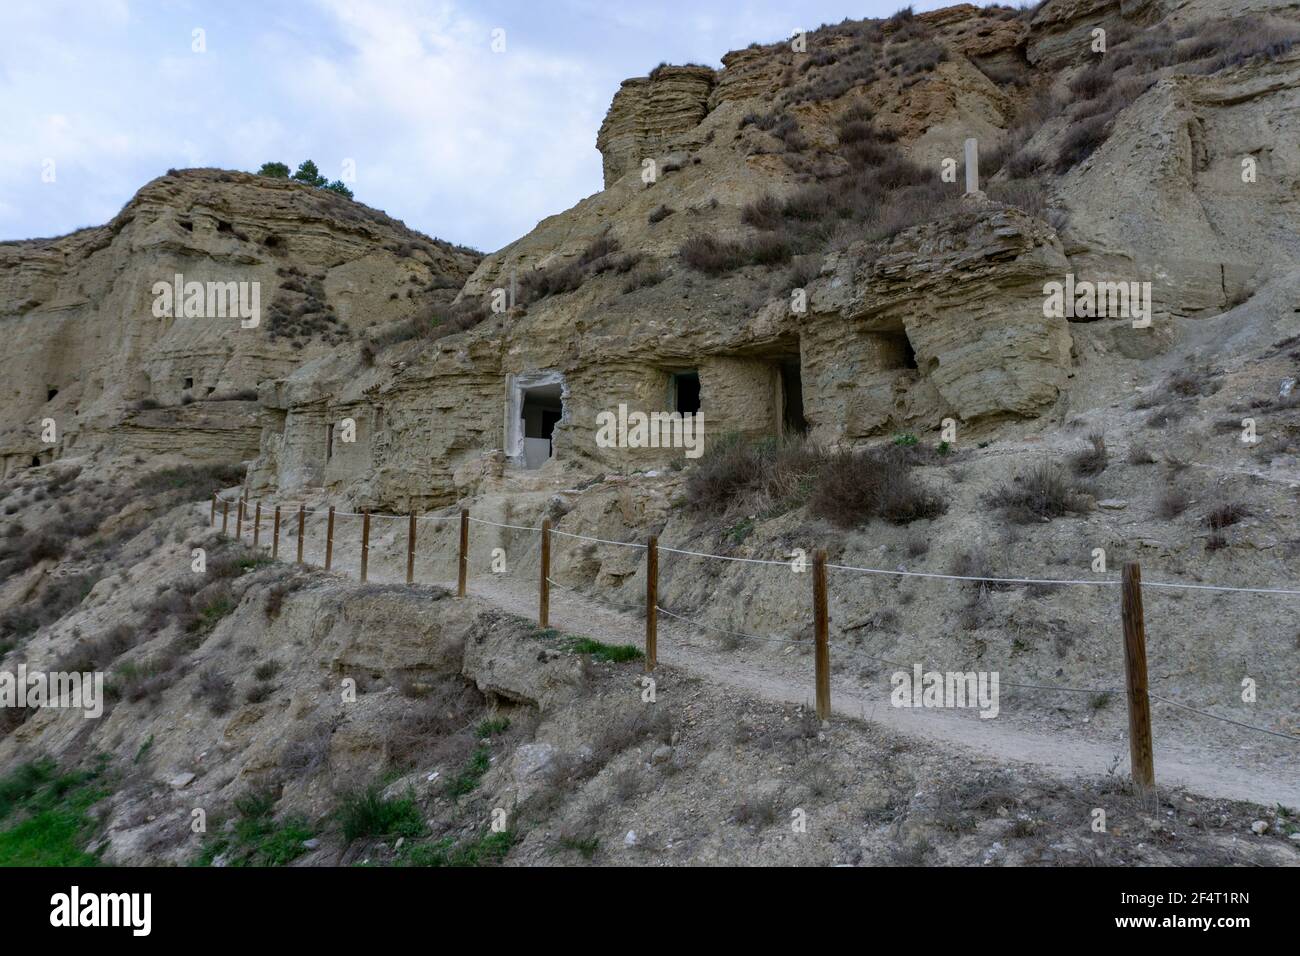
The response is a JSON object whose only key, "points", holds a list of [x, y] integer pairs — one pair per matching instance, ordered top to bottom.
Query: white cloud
{"points": [[456, 140]]}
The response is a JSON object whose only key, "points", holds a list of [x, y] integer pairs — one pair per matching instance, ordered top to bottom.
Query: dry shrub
{"points": [[1081, 142], [764, 213], [711, 256], [1094, 459], [765, 476], [853, 487], [1042, 493], [1172, 503], [1225, 515], [98, 653], [216, 689], [437, 726], [623, 730], [307, 751]]}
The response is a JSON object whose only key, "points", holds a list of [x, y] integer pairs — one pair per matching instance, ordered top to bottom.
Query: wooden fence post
{"points": [[225, 514], [239, 520], [302, 521], [213, 522], [257, 524], [275, 536], [329, 540], [365, 544], [410, 550], [462, 571], [651, 603], [544, 604], [821, 623], [1141, 752]]}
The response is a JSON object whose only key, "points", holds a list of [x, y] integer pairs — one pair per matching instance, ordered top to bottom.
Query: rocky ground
{"points": [[232, 696]]}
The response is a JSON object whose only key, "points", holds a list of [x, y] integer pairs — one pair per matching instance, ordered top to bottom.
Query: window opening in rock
{"points": [[686, 392]]}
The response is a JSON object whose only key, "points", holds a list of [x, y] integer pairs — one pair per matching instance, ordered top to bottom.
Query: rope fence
{"points": [[1130, 583]]}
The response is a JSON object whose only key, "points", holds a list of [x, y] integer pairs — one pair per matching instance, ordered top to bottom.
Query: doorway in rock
{"points": [[686, 392], [540, 409], [792, 420]]}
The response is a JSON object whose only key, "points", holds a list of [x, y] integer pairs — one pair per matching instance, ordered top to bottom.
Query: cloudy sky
{"points": [[461, 142]]}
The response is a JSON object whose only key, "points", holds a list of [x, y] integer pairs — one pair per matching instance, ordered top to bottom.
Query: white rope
{"points": [[495, 524], [583, 537], [723, 557], [964, 577], [984, 579], [1217, 587], [723, 630], [1046, 687], [1226, 720]]}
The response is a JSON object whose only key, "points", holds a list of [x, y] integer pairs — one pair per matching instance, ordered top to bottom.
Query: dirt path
{"points": [[1200, 768], [1200, 771]]}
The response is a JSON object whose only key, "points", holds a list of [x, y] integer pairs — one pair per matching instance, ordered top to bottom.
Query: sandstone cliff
{"points": [[920, 308], [86, 350]]}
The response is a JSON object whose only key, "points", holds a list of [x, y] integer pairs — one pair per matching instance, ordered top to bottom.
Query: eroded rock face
{"points": [[1061, 31], [648, 112], [1163, 199], [958, 304], [942, 319], [84, 345]]}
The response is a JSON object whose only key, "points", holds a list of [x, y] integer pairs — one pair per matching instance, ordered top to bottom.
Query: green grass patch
{"points": [[741, 530], [211, 614], [613, 653], [493, 726], [471, 773], [369, 813], [44, 816], [257, 838], [488, 849]]}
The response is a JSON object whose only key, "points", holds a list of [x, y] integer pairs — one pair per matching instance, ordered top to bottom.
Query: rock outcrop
{"points": [[648, 113], [834, 333], [86, 350]]}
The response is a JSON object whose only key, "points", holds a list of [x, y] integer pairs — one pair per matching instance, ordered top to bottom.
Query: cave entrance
{"points": [[685, 390], [535, 407], [792, 418]]}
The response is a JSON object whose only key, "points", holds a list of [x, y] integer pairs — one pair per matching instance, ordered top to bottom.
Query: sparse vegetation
{"points": [[308, 174], [1094, 460], [846, 488], [852, 488], [1040, 494], [1172, 503], [1225, 515], [610, 653], [471, 773], [368, 813], [44, 814], [257, 838], [487, 849]]}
